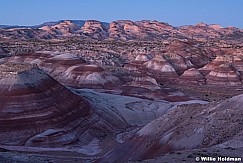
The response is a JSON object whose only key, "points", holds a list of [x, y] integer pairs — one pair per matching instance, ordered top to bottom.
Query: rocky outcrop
{"points": [[65, 28], [94, 29], [124, 30], [144, 30], [201, 30]]}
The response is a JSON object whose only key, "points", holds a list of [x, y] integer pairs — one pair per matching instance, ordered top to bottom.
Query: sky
{"points": [[174, 12]]}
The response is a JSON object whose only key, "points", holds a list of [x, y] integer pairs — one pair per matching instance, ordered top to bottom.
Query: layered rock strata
{"points": [[68, 69], [224, 74], [192, 76], [32, 102]]}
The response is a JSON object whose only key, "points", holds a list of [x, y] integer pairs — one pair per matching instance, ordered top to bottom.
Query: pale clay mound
{"points": [[66, 56], [142, 57], [134, 111], [185, 128]]}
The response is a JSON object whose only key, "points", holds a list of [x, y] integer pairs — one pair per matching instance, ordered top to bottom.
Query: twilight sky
{"points": [[174, 12]]}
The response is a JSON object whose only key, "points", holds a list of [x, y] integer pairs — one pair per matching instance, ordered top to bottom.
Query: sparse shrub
{"points": [[179, 153], [190, 156]]}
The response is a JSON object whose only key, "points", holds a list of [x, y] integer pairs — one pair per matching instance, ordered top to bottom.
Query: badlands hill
{"points": [[68, 69], [32, 102], [218, 125]]}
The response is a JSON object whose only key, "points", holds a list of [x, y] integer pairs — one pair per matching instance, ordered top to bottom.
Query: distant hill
{"points": [[144, 30]]}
